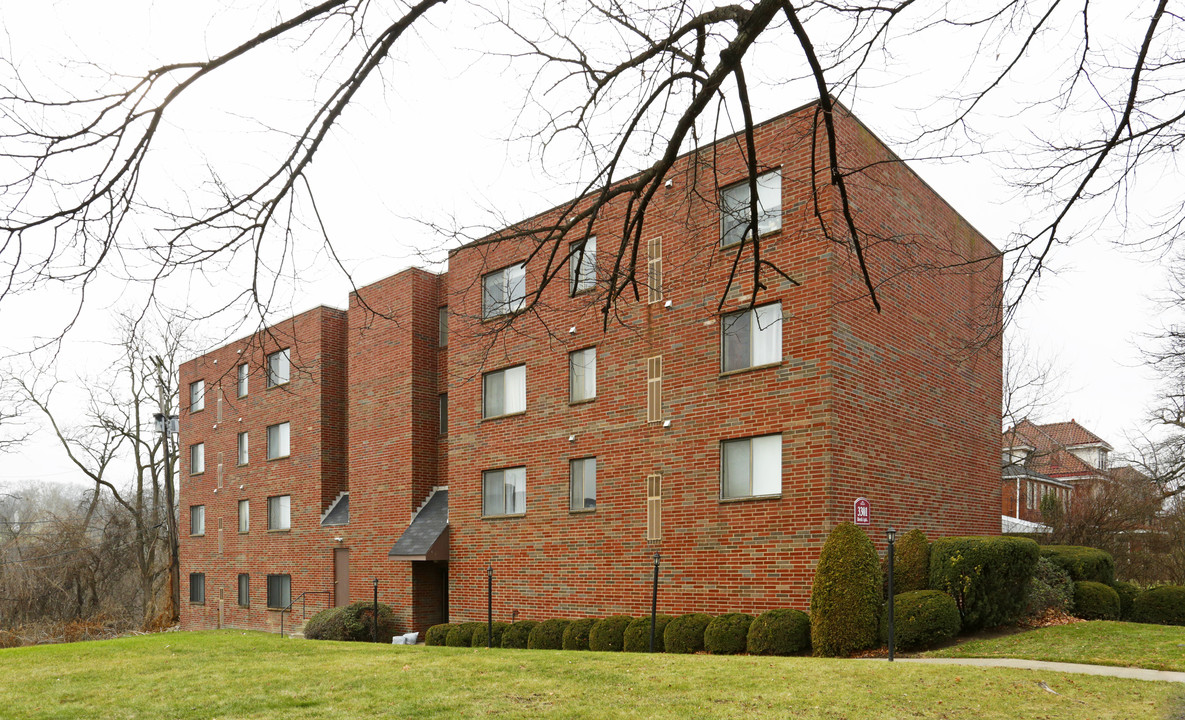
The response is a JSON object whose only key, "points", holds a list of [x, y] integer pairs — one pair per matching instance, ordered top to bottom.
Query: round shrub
{"points": [[911, 563], [1082, 563], [987, 576], [1050, 589], [846, 594], [1127, 594], [1095, 601], [1163, 605], [921, 619], [358, 622], [326, 625], [779, 632], [437, 634], [482, 634], [576, 634], [608, 634], [637, 634], [685, 634], [728, 634], [462, 635], [548, 635], [515, 636]]}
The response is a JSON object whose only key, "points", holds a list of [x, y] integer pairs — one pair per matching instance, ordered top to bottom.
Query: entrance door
{"points": [[341, 577]]}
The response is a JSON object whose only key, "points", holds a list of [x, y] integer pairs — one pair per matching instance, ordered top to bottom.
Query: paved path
{"points": [[1108, 670]]}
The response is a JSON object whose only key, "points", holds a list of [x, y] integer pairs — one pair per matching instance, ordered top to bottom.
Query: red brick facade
{"points": [[900, 407]]}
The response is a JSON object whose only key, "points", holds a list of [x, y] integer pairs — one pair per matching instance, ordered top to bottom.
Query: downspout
{"points": [[1018, 498]]}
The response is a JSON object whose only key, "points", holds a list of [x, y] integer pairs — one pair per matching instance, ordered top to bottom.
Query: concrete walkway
{"points": [[1107, 670]]}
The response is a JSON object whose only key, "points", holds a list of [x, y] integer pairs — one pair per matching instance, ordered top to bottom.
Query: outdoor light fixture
{"points": [[669, 184], [667, 303], [572, 330], [666, 423], [571, 438], [891, 534]]}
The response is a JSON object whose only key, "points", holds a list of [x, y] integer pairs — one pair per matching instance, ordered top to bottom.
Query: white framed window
{"points": [[734, 208], [582, 266], [654, 270], [504, 291], [442, 326], [751, 338], [279, 368], [244, 375], [582, 375], [654, 389], [504, 392], [197, 396], [443, 400], [277, 441], [244, 453], [197, 459], [751, 467], [582, 482], [504, 492], [654, 507], [279, 512], [244, 516], [197, 520], [197, 587], [244, 590], [279, 591]]}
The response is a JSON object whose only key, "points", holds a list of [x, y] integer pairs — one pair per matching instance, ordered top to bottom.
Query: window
{"points": [[734, 208], [582, 264], [654, 270], [504, 291], [442, 327], [751, 337], [278, 368], [243, 374], [582, 375], [654, 389], [504, 392], [197, 396], [444, 413], [277, 441], [243, 453], [197, 459], [751, 467], [582, 479], [504, 492], [654, 507], [279, 512], [244, 516], [197, 520], [197, 587], [244, 590], [279, 591]]}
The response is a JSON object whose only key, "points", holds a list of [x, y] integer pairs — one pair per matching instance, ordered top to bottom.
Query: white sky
{"points": [[433, 143]]}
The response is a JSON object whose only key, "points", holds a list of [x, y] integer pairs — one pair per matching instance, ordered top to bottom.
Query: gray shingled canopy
{"points": [[339, 514], [427, 536]]}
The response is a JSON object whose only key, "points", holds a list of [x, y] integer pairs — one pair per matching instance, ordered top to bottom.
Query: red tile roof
{"points": [[1049, 442]]}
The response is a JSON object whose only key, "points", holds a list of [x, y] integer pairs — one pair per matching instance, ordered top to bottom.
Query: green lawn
{"points": [[1157, 647], [229, 674]]}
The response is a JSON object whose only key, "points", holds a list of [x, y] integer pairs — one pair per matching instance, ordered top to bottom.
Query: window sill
{"points": [[738, 243], [577, 292], [502, 316], [751, 368], [277, 385], [240, 397], [582, 402], [195, 412], [502, 417], [282, 457], [239, 465], [196, 474], [749, 498], [583, 511], [503, 517], [285, 531], [193, 535], [196, 602], [245, 607]]}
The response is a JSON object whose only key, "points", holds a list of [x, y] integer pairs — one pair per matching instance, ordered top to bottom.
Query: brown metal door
{"points": [[341, 577]]}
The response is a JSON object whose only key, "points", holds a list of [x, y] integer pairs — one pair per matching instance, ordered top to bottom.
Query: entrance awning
{"points": [[427, 536]]}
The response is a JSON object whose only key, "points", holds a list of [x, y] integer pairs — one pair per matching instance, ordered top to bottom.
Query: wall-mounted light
{"points": [[572, 330], [666, 423], [571, 438]]}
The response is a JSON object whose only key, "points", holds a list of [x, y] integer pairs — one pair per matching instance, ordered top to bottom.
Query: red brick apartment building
{"points": [[415, 440]]}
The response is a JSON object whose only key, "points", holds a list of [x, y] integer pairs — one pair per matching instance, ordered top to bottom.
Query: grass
{"points": [[1101, 642], [228, 674]]}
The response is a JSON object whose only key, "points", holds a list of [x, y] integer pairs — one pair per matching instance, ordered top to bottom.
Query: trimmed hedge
{"points": [[911, 563], [1082, 563], [987, 576], [1051, 589], [846, 594], [1127, 594], [1095, 601], [1164, 605], [921, 619], [353, 623], [326, 625], [483, 632], [779, 632], [437, 634], [576, 634], [608, 634], [637, 634], [685, 634], [728, 634], [462, 635], [548, 635], [515, 637]]}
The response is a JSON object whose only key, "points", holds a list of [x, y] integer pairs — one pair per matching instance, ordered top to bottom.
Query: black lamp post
{"points": [[892, 535], [654, 600], [489, 606], [376, 609]]}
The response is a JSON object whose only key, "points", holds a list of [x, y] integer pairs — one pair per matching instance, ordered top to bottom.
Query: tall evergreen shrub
{"points": [[846, 594]]}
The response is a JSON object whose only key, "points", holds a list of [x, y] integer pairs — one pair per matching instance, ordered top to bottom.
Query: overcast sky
{"points": [[438, 142]]}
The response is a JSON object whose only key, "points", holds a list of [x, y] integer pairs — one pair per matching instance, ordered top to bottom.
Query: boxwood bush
{"points": [[911, 562], [1082, 563], [987, 576], [1050, 589], [846, 594], [1127, 594], [1095, 601], [1163, 605], [921, 619], [354, 622], [326, 625], [779, 632], [482, 633], [437, 634], [517, 634], [576, 634], [608, 634], [637, 634], [685, 634], [728, 634], [462, 635], [548, 635]]}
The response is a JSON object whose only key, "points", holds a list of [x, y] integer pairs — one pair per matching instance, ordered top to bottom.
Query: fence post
{"points": [[654, 600]]}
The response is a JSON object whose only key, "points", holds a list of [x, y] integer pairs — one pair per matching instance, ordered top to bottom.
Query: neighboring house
{"points": [[415, 441]]}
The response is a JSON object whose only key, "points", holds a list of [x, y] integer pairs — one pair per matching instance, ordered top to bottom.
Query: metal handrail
{"points": [[303, 608]]}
